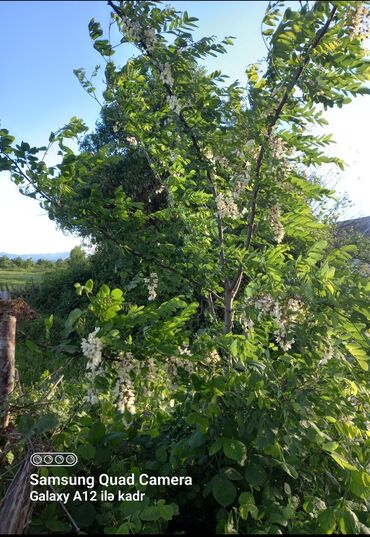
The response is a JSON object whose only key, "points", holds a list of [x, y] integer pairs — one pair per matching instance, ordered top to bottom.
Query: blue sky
{"points": [[41, 44]]}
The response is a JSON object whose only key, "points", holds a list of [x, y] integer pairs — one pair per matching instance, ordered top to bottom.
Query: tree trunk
{"points": [[229, 311], [7, 364], [15, 507]]}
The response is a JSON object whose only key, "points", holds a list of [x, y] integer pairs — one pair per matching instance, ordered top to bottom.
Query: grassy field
{"points": [[11, 279]]}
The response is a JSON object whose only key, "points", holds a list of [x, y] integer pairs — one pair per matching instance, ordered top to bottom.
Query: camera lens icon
{"points": [[36, 459], [53, 459], [71, 459]]}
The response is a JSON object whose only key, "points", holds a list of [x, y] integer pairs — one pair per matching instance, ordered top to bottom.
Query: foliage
{"points": [[236, 351]]}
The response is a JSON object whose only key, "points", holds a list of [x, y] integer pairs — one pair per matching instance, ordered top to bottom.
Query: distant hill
{"points": [[358, 224], [35, 257]]}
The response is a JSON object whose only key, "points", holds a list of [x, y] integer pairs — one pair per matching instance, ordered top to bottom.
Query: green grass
{"points": [[13, 279]]}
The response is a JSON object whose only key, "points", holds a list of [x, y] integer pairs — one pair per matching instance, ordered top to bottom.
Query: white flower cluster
{"points": [[360, 22], [132, 28], [135, 32], [150, 38], [166, 75], [174, 104], [131, 140], [278, 147], [208, 154], [240, 184], [159, 189], [226, 206], [275, 223], [152, 283], [266, 305], [294, 307], [285, 316], [246, 323], [281, 338], [92, 348], [328, 353], [212, 358], [174, 363], [129, 369], [124, 389]]}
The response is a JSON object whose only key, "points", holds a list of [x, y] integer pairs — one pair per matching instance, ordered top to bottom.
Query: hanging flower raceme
{"points": [[360, 22], [166, 75], [174, 104], [278, 147], [241, 182], [226, 206], [275, 223], [152, 283], [285, 316], [92, 348], [328, 353], [175, 363], [124, 389]]}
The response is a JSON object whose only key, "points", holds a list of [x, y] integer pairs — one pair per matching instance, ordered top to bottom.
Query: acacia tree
{"points": [[232, 160], [233, 170]]}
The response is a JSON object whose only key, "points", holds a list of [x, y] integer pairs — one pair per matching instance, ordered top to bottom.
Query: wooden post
{"points": [[7, 364]]}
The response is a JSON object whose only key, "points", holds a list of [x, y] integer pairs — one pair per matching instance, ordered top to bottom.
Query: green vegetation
{"points": [[18, 273], [11, 278], [218, 331]]}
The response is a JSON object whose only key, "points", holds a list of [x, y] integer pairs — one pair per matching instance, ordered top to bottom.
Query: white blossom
{"points": [[360, 22], [133, 28], [150, 38], [166, 74], [174, 104], [131, 140], [278, 147], [240, 184], [226, 206], [275, 223], [152, 283], [284, 315], [92, 348], [328, 353], [212, 357], [124, 389]]}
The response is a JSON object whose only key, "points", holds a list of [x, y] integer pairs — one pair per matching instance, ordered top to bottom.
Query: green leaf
{"points": [[95, 30], [89, 285], [117, 294], [359, 353], [46, 423], [96, 432], [330, 446], [215, 447], [235, 450], [86, 452], [161, 454], [342, 461], [255, 474], [223, 491], [247, 506], [166, 511], [150, 514], [326, 521], [347, 521]]}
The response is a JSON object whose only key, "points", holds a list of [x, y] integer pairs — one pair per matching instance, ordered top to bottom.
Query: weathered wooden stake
{"points": [[8, 325]]}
